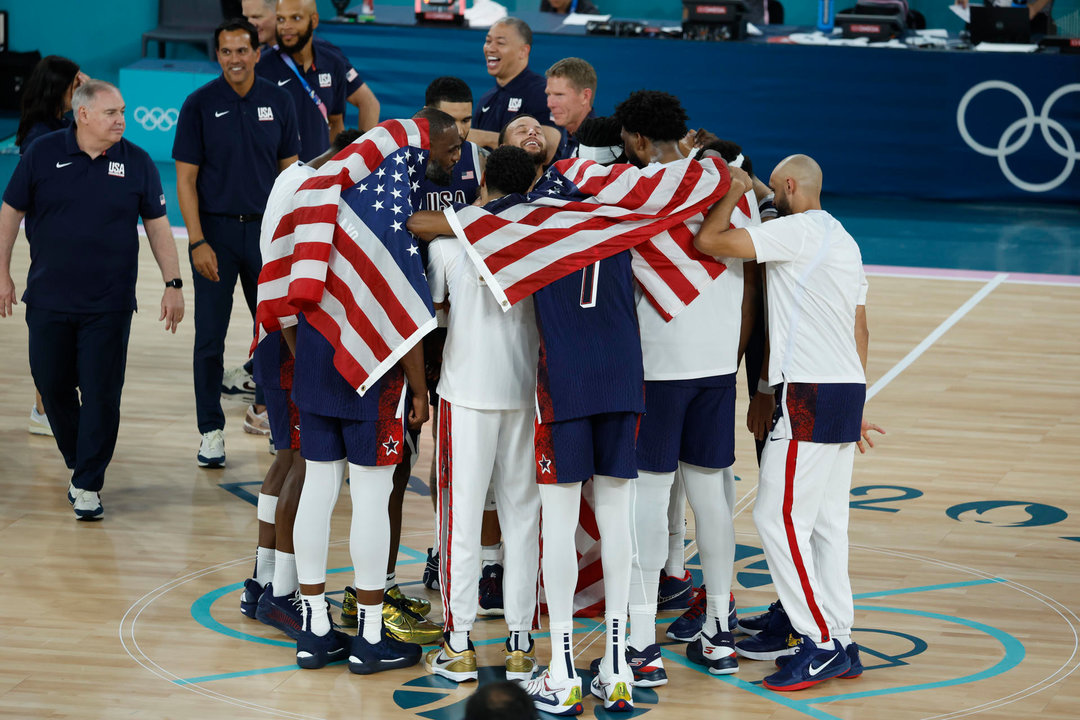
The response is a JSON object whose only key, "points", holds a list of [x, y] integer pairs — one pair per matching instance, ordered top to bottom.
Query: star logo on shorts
{"points": [[391, 446], [545, 464]]}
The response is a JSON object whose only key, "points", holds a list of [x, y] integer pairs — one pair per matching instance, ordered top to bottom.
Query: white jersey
{"points": [[278, 204], [814, 281], [702, 340], [489, 360]]}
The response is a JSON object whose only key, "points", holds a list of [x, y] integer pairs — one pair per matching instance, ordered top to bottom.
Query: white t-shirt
{"points": [[278, 204], [814, 280], [702, 340], [489, 360]]}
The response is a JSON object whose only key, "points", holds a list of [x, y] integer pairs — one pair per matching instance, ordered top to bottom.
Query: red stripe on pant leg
{"points": [[446, 527], [793, 543]]}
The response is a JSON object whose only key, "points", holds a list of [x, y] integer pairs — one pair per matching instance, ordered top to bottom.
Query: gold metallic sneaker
{"points": [[417, 605], [348, 608], [407, 626], [520, 664], [457, 666]]}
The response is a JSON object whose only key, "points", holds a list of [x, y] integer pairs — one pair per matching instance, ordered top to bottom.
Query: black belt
{"points": [[250, 217]]}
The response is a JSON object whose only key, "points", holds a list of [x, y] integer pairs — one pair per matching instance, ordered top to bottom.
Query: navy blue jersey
{"points": [[326, 76], [526, 93], [43, 127], [236, 142], [464, 185], [82, 219], [590, 349], [272, 365], [320, 389]]}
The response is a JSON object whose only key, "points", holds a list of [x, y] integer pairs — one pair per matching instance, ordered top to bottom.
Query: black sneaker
{"points": [[431, 571], [491, 594], [755, 624], [315, 651], [717, 653], [388, 654]]}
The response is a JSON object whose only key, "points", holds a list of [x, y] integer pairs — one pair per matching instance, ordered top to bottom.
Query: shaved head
{"points": [[796, 182]]}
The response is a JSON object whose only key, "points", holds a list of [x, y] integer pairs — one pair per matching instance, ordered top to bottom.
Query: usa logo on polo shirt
{"points": [[326, 79], [515, 104], [266, 113], [116, 169]]}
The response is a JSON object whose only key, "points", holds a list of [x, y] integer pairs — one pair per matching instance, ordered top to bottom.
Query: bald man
{"points": [[818, 339]]}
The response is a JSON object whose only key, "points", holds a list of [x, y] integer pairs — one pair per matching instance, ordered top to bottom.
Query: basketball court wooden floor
{"points": [[964, 531]]}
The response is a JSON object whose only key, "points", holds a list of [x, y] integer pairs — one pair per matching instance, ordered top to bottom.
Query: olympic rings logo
{"points": [[156, 118], [1008, 143]]}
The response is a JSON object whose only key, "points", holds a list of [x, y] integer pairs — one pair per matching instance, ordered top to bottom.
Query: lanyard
{"points": [[311, 93]]}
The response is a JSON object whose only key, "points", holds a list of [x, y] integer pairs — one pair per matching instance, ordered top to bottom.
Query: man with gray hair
{"points": [[517, 88], [82, 191]]}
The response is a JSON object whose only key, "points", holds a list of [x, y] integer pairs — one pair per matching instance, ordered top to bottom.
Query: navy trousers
{"points": [[237, 247], [78, 361]]}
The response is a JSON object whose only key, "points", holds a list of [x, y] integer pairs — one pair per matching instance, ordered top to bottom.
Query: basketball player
{"points": [[818, 341], [689, 422], [485, 439]]}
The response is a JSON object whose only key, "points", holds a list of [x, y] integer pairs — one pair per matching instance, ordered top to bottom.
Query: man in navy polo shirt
{"points": [[263, 15], [314, 76], [517, 89], [233, 136], [82, 191]]}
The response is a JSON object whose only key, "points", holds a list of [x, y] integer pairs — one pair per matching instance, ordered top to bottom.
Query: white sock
{"points": [[491, 554], [264, 565], [391, 580], [285, 582], [315, 613], [716, 613], [369, 622], [642, 626], [459, 640], [520, 640], [845, 640], [615, 644], [826, 645], [561, 666]]}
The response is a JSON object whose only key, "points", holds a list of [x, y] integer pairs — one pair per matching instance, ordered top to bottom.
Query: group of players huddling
{"points": [[584, 381]]}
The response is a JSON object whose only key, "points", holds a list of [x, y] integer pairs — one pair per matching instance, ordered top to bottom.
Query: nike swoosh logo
{"points": [[283, 82], [484, 109], [219, 114], [62, 165], [815, 670]]}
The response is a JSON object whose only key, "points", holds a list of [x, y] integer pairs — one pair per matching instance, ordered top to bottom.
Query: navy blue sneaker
{"points": [[431, 571], [674, 593], [491, 594], [249, 599], [284, 613], [732, 616], [756, 623], [687, 626], [778, 638], [315, 651], [852, 651], [717, 653], [387, 654], [646, 664], [809, 666]]}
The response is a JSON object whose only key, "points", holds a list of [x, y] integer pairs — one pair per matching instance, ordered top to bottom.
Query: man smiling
{"points": [[517, 88]]}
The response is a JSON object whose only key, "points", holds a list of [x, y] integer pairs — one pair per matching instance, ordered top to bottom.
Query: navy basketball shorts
{"points": [[284, 419], [692, 421], [368, 443], [573, 451]]}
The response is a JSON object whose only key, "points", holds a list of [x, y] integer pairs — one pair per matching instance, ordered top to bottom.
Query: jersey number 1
{"points": [[589, 277]]}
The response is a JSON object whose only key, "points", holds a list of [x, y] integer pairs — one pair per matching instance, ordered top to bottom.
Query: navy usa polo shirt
{"points": [[326, 76], [353, 81], [526, 93], [236, 142], [82, 221]]}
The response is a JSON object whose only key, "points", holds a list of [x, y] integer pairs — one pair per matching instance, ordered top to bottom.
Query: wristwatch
{"points": [[175, 283]]}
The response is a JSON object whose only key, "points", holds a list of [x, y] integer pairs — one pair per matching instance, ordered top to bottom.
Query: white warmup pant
{"points": [[478, 448], [801, 514]]}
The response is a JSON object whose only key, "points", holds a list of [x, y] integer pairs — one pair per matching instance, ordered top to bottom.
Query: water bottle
{"points": [[825, 16]]}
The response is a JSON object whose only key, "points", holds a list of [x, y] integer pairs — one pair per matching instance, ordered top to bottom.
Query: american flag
{"points": [[581, 212], [343, 257]]}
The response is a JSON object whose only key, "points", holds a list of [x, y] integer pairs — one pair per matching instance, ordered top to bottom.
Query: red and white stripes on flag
{"points": [[582, 212], [344, 265]]}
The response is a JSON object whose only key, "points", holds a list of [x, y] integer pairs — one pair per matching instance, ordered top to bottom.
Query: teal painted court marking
{"points": [[1014, 650]]}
